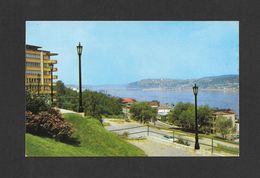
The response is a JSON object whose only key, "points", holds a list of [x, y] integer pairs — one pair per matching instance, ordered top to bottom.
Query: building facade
{"points": [[38, 65], [226, 113]]}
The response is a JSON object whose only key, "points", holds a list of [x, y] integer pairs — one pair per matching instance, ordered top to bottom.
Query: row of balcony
{"points": [[46, 61], [39, 68], [44, 76], [36, 84], [41, 90]]}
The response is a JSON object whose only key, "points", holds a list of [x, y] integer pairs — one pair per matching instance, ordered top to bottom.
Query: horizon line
{"points": [[152, 79]]}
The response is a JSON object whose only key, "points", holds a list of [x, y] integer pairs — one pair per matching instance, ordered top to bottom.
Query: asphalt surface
{"points": [[156, 137]]}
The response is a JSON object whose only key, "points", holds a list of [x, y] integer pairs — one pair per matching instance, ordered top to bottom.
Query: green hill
{"points": [[212, 82], [93, 140]]}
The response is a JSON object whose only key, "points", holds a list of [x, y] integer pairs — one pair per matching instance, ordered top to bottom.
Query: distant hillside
{"points": [[212, 82]]}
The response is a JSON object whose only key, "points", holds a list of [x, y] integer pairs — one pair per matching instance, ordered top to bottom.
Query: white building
{"points": [[163, 110]]}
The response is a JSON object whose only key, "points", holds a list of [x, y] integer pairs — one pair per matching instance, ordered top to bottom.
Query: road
{"points": [[161, 137]]}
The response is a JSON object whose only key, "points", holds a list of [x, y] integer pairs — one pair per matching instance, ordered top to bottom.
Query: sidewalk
{"points": [[64, 111], [156, 147]]}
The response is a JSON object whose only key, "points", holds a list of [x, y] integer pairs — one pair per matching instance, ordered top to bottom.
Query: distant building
{"points": [[38, 69], [75, 89], [128, 100], [154, 104], [163, 110], [226, 113]]}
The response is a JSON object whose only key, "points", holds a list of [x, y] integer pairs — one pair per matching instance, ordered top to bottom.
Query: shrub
{"points": [[36, 104], [49, 124], [125, 134], [181, 141]]}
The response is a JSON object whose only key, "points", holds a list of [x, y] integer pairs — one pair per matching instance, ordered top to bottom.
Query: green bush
{"points": [[36, 103], [49, 124], [125, 134], [183, 142]]}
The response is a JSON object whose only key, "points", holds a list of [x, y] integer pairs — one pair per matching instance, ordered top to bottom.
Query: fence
{"points": [[116, 130], [212, 146]]}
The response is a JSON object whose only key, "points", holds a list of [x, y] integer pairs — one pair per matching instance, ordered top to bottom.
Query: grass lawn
{"points": [[94, 141], [227, 149]]}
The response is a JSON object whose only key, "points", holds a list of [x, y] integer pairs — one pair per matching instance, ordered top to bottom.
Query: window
{"points": [[33, 56], [32, 64], [33, 72]]}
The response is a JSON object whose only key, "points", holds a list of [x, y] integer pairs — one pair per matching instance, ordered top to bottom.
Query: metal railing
{"points": [[129, 128], [178, 139]]}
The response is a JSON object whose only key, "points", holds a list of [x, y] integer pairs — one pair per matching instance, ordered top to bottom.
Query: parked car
{"points": [[167, 136]]}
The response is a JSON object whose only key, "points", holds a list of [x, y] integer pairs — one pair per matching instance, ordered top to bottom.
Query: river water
{"points": [[220, 99]]}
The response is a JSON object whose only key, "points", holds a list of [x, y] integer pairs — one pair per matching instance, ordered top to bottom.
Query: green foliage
{"points": [[60, 88], [66, 98], [36, 103], [95, 103], [142, 112], [183, 115], [164, 118], [205, 119], [49, 124], [223, 126], [125, 134], [94, 141], [183, 142], [232, 150]]}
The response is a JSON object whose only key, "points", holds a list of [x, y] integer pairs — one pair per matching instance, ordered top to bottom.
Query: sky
{"points": [[120, 52]]}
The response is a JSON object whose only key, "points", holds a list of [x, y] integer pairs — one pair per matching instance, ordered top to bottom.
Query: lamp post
{"points": [[79, 50], [51, 67], [38, 83], [195, 92]]}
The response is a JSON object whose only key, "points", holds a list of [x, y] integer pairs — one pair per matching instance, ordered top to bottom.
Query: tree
{"points": [[60, 88], [65, 97], [98, 104], [92, 106], [142, 112], [183, 115], [205, 118], [223, 126]]}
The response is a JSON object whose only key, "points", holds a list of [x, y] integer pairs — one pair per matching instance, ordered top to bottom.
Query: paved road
{"points": [[162, 133], [160, 138], [153, 146]]}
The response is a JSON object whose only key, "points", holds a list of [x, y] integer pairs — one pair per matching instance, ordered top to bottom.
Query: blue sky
{"points": [[119, 52]]}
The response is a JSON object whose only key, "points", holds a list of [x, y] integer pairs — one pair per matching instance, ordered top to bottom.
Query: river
{"points": [[220, 99]]}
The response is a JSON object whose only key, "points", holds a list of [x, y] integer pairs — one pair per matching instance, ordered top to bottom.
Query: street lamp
{"points": [[79, 50], [51, 67], [38, 83], [195, 92]]}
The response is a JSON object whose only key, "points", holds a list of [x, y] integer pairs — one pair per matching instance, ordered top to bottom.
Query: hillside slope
{"points": [[213, 82], [94, 141]]}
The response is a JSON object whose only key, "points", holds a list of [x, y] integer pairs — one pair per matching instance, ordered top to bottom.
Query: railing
{"points": [[131, 133], [213, 146]]}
